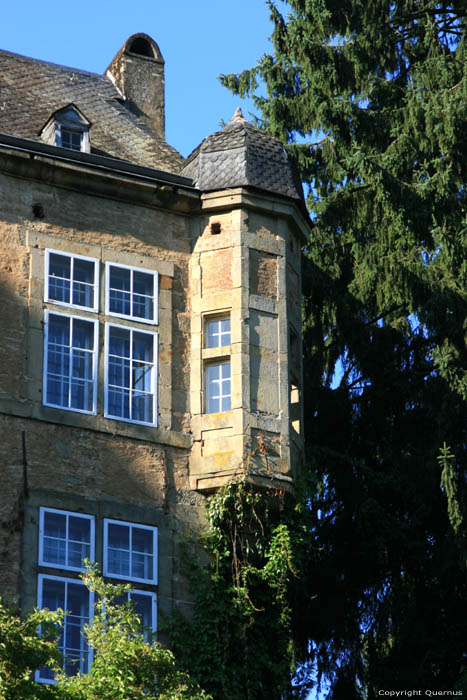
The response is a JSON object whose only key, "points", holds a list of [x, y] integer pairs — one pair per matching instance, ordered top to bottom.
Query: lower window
{"points": [[70, 363], [218, 387], [130, 392], [73, 597]]}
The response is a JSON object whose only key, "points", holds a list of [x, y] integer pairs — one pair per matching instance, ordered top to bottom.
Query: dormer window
{"points": [[68, 128], [70, 139]]}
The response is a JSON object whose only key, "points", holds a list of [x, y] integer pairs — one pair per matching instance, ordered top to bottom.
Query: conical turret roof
{"points": [[242, 156]]}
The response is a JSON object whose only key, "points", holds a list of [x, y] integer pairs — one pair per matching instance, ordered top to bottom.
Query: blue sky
{"points": [[198, 39]]}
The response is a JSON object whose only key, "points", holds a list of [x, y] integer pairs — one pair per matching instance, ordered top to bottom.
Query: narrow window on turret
{"points": [[217, 371]]}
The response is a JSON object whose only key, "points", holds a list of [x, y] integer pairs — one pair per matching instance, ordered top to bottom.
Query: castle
{"points": [[150, 331]]}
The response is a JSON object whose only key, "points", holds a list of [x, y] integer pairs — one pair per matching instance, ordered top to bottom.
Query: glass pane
{"points": [[83, 271], [59, 277], [83, 282], [143, 283], [119, 291], [143, 307], [225, 325], [59, 330], [83, 334], [212, 334], [119, 342], [142, 346], [58, 360], [82, 361], [225, 370], [119, 372], [212, 373], [142, 376], [57, 391], [82, 395], [119, 403], [225, 403], [142, 407], [55, 524], [79, 529], [118, 536], [142, 540], [54, 551], [77, 551], [118, 562], [141, 566], [53, 594], [78, 600], [143, 607]]}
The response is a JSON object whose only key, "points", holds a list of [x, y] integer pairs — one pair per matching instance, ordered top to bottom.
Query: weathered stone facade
{"points": [[221, 258]]}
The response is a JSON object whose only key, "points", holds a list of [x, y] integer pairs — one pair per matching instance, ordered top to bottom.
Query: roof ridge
{"points": [[55, 65]]}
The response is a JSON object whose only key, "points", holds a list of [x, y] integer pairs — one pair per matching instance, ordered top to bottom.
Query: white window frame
{"points": [[83, 132], [72, 257], [217, 319], [152, 321], [94, 322], [217, 362], [154, 382], [67, 513], [151, 528], [40, 582]]}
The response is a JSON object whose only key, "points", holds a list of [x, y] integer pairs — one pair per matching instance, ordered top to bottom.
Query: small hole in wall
{"points": [[38, 211], [215, 228]]}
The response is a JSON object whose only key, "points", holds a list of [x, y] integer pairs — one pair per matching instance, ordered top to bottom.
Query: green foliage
{"points": [[371, 99], [239, 643], [22, 652], [128, 663]]}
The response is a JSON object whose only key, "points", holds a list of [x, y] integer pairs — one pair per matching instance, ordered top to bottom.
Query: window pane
{"points": [[59, 277], [83, 282], [119, 291], [143, 292], [83, 334], [119, 342], [143, 346], [119, 403], [142, 407], [79, 532], [119, 536], [54, 538], [142, 540], [118, 562], [141, 566], [53, 594], [143, 605]]}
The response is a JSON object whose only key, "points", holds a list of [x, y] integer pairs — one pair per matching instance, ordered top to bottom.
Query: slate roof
{"points": [[31, 90], [241, 155]]}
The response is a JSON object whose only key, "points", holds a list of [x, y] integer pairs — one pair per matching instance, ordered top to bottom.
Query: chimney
{"points": [[137, 71]]}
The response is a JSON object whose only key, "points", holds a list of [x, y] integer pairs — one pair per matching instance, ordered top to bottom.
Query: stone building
{"points": [[149, 330]]}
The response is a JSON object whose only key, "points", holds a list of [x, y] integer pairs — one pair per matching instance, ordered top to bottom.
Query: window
{"points": [[68, 128], [70, 139], [71, 280], [131, 293], [217, 332], [70, 362], [217, 369], [218, 387], [130, 392], [65, 539], [130, 551], [72, 596], [145, 605]]}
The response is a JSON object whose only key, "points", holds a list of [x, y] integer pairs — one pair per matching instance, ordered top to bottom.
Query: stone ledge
{"points": [[26, 409], [209, 483]]}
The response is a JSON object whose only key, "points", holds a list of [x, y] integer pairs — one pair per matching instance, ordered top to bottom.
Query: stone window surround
{"points": [[110, 256], [46, 567]]}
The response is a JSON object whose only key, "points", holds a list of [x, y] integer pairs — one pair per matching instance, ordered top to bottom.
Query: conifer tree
{"points": [[371, 99]]}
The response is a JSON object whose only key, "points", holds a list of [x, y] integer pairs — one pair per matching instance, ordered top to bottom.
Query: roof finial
{"points": [[238, 116]]}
